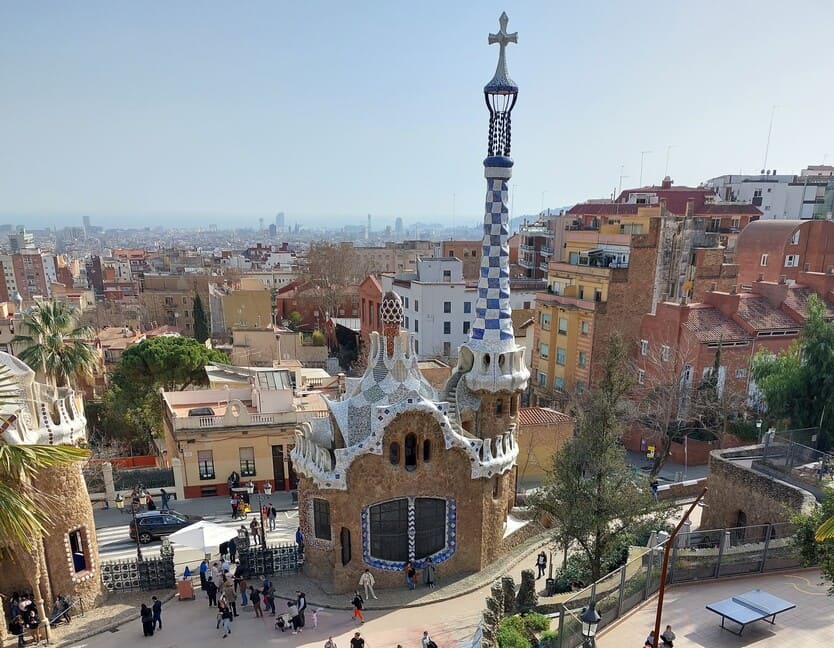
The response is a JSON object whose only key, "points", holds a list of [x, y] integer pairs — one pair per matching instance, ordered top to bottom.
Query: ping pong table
{"points": [[747, 608]]}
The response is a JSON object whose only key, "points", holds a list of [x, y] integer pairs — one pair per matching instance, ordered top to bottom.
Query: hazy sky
{"points": [[170, 110]]}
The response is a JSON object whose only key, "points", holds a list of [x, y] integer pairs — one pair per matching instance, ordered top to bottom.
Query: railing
{"points": [[797, 464], [696, 556]]}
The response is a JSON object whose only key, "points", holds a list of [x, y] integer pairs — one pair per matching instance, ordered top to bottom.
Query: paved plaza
{"points": [[811, 623]]}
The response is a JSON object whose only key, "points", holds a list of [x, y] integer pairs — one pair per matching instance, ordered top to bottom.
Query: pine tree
{"points": [[201, 328]]}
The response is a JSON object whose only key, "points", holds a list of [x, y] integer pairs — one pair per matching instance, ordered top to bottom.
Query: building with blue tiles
{"points": [[398, 472]]}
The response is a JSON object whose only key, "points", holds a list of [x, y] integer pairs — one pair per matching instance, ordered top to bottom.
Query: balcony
{"points": [[527, 248], [546, 250], [525, 263], [543, 266]]}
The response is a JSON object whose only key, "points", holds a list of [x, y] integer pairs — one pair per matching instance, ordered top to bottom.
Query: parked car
{"points": [[201, 411], [155, 524]]}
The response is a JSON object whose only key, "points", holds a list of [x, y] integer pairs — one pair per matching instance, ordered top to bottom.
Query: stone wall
{"points": [[735, 489], [480, 516]]}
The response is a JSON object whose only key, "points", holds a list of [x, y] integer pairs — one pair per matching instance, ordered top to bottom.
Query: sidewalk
{"points": [[202, 506], [101, 621]]}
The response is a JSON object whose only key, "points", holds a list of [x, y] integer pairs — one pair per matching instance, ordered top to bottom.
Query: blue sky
{"points": [[186, 112]]}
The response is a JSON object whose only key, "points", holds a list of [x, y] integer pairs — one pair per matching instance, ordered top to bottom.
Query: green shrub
{"points": [[317, 338], [576, 569], [536, 622], [509, 634], [549, 636]]}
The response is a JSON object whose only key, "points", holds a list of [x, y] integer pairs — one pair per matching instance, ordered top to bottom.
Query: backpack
{"points": [[357, 602], [431, 644]]}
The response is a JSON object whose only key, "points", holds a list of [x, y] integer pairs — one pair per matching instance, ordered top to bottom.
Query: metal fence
{"points": [[797, 464], [698, 555], [280, 560], [145, 575]]}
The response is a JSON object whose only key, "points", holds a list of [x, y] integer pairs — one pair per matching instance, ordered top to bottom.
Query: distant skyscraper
{"points": [[86, 221], [279, 221], [398, 226], [273, 230], [368, 230]]}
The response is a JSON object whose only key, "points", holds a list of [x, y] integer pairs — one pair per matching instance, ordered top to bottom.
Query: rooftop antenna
{"points": [[769, 131], [668, 151], [642, 157], [622, 175]]}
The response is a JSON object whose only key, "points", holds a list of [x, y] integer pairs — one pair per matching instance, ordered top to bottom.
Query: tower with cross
{"points": [[491, 360]]}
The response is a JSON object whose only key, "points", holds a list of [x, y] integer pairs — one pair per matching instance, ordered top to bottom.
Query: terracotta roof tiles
{"points": [[762, 316], [709, 324], [541, 416]]}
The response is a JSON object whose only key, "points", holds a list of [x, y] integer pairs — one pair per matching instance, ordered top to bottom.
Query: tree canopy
{"points": [[201, 324], [54, 344], [171, 362], [798, 385], [132, 408], [590, 491], [815, 548]]}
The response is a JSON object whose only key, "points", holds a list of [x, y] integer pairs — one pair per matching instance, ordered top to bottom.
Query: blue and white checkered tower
{"points": [[497, 362]]}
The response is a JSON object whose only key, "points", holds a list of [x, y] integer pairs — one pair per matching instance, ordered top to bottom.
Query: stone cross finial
{"points": [[502, 37]]}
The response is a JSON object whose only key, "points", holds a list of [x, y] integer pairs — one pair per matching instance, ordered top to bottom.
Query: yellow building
{"points": [[588, 297], [231, 307], [245, 423], [541, 432]]}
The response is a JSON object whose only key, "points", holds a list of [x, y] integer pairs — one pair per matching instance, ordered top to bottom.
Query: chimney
{"points": [[667, 183]]}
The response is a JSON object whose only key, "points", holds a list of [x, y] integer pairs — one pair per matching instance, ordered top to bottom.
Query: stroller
{"points": [[282, 622]]}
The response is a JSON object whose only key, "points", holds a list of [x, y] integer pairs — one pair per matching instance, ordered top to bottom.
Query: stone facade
{"points": [[740, 496], [476, 509]]}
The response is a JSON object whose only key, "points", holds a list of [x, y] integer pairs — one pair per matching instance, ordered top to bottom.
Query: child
{"points": [[315, 617], [281, 622]]}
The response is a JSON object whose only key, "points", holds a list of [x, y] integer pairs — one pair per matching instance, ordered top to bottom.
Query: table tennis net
{"points": [[750, 605]]}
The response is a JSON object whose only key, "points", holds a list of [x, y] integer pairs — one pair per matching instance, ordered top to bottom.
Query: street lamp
{"points": [[759, 430], [133, 508], [666, 551], [590, 621]]}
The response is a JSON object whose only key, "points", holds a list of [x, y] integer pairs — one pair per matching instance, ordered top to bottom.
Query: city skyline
{"points": [[207, 114]]}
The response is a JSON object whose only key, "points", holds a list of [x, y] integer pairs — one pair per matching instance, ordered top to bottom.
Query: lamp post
{"points": [[759, 430], [250, 488], [136, 531], [667, 550], [590, 621]]}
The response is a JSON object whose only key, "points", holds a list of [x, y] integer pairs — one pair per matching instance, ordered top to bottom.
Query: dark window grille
{"points": [[426, 450], [410, 452], [394, 453], [321, 519], [430, 525], [389, 530]]}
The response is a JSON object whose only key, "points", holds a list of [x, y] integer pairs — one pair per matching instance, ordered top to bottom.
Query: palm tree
{"points": [[54, 344], [24, 509], [826, 530]]}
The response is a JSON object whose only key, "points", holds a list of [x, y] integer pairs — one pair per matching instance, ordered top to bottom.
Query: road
{"points": [[114, 542]]}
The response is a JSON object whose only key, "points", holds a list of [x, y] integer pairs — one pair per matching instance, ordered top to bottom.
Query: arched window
{"points": [[499, 406], [426, 450], [410, 452], [394, 453], [391, 534]]}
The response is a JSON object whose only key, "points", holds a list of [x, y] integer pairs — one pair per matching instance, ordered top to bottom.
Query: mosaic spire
{"points": [[493, 321], [491, 359]]}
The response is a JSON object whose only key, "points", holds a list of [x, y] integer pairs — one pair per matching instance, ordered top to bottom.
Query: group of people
{"points": [[410, 572], [24, 616], [151, 617], [667, 638]]}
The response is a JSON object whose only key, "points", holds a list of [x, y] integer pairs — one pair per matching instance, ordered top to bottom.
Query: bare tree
{"points": [[328, 271]]}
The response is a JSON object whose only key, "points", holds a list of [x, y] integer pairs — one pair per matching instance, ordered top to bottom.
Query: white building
{"points": [[778, 196], [439, 305]]}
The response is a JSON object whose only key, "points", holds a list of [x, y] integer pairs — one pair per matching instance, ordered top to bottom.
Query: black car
{"points": [[155, 524]]}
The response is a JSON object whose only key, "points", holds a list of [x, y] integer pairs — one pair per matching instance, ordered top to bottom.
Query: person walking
{"points": [[267, 488], [164, 496], [233, 501], [149, 503], [271, 515], [256, 533], [299, 541], [233, 550], [541, 563], [203, 570], [410, 572], [428, 573], [367, 581], [242, 587], [211, 590], [230, 595], [255, 597], [269, 597], [301, 602], [358, 604], [156, 608], [292, 610], [146, 617], [226, 617], [17, 628], [668, 637], [357, 641], [426, 641], [330, 643]]}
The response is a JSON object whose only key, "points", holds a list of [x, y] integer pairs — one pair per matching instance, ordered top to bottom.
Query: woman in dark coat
{"points": [[146, 616]]}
